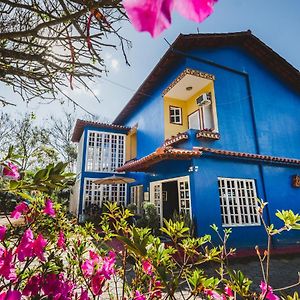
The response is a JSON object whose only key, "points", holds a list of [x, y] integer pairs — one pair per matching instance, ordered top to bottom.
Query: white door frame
{"points": [[160, 182]]}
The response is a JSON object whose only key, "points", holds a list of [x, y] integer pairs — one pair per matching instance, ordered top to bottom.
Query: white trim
{"points": [[175, 110], [96, 158], [159, 182], [101, 193]]}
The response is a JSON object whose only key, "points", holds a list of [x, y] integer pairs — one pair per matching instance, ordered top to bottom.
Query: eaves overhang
{"points": [[81, 124], [161, 154]]}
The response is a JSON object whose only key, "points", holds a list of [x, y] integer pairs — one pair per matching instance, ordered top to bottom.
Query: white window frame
{"points": [[175, 112], [213, 112], [119, 156], [104, 191], [136, 196], [156, 196], [243, 196]]}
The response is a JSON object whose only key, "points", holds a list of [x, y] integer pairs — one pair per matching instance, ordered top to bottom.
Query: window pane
{"points": [[238, 202]]}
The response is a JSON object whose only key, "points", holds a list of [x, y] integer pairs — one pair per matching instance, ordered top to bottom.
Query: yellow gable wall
{"points": [[189, 106]]}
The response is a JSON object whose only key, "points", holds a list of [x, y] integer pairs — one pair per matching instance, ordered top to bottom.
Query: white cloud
{"points": [[115, 64]]}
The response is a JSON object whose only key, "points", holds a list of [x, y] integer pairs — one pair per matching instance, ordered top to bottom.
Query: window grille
{"points": [[175, 115], [106, 151], [100, 193], [238, 202]]}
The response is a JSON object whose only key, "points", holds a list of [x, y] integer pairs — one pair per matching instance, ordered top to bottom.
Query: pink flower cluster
{"points": [[154, 16], [11, 171], [19, 210], [49, 210], [30, 247], [7, 268], [98, 270], [155, 285], [55, 286], [267, 292], [10, 295]]}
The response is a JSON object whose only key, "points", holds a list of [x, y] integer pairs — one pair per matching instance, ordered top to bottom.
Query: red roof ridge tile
{"points": [[249, 155]]}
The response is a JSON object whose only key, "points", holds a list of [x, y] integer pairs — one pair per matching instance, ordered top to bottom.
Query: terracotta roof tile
{"points": [[80, 124], [173, 140], [162, 153], [266, 158]]}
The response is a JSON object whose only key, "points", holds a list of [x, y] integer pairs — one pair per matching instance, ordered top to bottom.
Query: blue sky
{"points": [[275, 22]]}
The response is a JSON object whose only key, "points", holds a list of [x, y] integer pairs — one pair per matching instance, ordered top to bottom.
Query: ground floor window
{"points": [[98, 194], [238, 202]]}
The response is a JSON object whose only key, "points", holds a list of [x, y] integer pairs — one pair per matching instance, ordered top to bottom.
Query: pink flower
{"points": [[195, 10], [154, 16], [11, 171], [19, 210], [49, 210], [2, 233], [61, 241], [38, 247], [24, 248], [108, 265], [147, 267], [87, 268], [7, 269], [97, 283], [33, 286], [57, 287], [228, 291], [156, 293], [213, 294], [268, 294], [10, 295], [84, 295], [139, 296]]}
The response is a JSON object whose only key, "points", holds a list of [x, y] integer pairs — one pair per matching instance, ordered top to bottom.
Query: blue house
{"points": [[215, 125]]}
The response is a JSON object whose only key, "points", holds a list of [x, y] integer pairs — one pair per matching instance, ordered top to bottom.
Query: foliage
{"points": [[149, 217], [187, 220], [49, 256]]}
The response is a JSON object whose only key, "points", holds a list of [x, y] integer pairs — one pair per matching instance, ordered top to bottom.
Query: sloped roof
{"points": [[245, 39], [80, 124], [160, 154], [245, 155]]}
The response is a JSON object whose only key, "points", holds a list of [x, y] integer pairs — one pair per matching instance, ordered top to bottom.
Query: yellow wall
{"points": [[189, 106], [173, 129], [131, 144]]}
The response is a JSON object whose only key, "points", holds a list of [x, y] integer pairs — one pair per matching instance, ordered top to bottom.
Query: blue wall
{"points": [[257, 113], [95, 175], [206, 203]]}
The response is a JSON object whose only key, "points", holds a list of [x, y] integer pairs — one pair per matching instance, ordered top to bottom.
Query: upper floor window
{"points": [[175, 115], [105, 151], [238, 202]]}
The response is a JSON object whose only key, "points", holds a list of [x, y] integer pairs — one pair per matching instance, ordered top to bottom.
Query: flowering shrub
{"points": [[49, 256]]}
